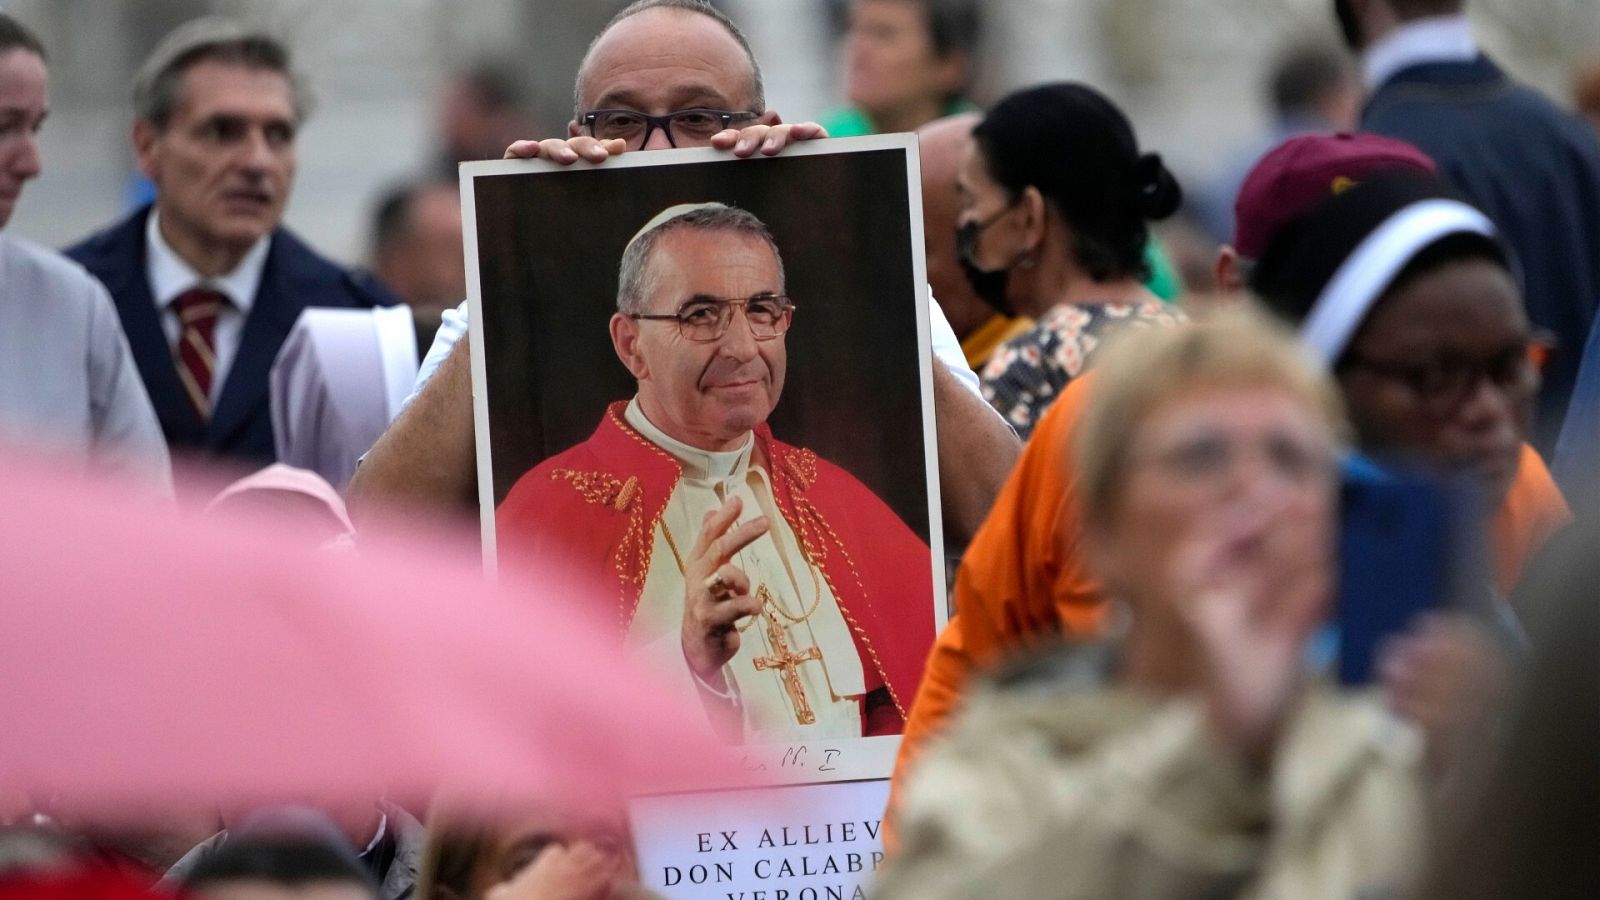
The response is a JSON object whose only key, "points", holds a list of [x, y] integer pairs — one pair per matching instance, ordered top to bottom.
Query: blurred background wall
{"points": [[1188, 71]]}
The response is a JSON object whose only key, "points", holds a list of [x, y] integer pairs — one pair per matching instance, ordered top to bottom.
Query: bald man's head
{"points": [[687, 50], [942, 143]]}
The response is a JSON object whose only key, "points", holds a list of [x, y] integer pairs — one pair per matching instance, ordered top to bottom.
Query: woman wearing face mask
{"points": [[1055, 196]]}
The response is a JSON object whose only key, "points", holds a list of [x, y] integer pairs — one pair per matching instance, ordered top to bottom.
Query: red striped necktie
{"points": [[197, 344]]}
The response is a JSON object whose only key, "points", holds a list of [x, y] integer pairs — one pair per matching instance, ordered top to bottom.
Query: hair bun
{"points": [[1159, 193]]}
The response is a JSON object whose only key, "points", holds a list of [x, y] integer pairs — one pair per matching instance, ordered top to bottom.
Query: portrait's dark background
{"points": [[548, 248]]}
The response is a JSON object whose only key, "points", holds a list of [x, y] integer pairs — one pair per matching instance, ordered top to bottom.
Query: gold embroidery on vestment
{"points": [[798, 467], [801, 467], [603, 489]]}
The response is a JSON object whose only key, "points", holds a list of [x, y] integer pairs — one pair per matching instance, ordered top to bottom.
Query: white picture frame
{"points": [[520, 219]]}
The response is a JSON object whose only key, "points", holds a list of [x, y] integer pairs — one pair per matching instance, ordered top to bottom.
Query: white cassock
{"points": [[338, 381], [801, 605]]}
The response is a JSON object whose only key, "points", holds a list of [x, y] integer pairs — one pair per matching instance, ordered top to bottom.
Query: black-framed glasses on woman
{"points": [[684, 127], [708, 318], [1444, 383]]}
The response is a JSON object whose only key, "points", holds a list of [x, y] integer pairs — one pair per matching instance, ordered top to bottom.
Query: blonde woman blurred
{"points": [[1189, 755]]}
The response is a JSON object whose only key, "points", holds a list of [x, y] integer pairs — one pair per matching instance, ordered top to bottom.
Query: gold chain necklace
{"points": [[816, 591]]}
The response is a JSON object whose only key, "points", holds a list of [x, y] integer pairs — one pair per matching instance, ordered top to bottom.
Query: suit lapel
{"points": [[136, 307], [272, 315]]}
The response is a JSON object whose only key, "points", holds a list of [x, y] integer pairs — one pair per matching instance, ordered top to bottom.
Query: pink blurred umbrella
{"points": [[154, 662]]}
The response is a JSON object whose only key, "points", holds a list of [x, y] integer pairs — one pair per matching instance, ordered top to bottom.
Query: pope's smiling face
{"points": [[707, 394]]}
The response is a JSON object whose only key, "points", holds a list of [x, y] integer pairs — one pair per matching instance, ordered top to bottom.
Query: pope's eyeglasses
{"points": [[706, 319]]}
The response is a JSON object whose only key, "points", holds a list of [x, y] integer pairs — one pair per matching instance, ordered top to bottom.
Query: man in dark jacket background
{"points": [[206, 281]]}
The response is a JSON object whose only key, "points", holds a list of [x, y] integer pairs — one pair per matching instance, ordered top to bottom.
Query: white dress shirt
{"points": [[1434, 39], [170, 276]]}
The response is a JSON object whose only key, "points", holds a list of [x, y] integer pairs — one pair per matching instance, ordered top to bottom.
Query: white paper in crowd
{"points": [[810, 842]]}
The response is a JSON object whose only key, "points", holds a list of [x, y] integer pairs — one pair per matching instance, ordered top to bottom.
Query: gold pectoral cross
{"points": [[787, 661]]}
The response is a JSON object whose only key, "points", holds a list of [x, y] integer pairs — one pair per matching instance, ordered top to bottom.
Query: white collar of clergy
{"points": [[704, 465]]}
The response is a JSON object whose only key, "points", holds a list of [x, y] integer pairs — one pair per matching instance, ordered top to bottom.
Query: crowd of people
{"points": [[1179, 662]]}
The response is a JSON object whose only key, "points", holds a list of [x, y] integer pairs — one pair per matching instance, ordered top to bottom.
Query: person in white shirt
{"points": [[68, 385]]}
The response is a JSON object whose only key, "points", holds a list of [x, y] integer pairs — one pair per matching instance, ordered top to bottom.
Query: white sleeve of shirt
{"points": [[453, 326], [947, 347], [127, 438]]}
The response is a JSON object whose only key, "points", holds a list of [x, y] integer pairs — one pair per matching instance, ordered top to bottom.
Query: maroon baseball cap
{"points": [[1298, 173]]}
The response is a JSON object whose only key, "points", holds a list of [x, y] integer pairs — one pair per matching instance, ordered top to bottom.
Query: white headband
{"points": [[1367, 271]]}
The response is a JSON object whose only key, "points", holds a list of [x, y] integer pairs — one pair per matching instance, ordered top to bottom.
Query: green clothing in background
{"points": [[847, 122], [852, 122], [1163, 281]]}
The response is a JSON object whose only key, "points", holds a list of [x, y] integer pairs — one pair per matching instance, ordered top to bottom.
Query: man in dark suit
{"points": [[1533, 168], [205, 280]]}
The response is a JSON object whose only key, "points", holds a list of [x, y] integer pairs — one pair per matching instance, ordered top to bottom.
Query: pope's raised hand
{"points": [[566, 151], [717, 592]]}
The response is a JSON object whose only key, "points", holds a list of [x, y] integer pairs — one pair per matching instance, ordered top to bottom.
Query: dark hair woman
{"points": [[1055, 196]]}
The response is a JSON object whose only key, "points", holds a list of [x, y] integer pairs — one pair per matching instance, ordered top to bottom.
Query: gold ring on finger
{"points": [[719, 587]]}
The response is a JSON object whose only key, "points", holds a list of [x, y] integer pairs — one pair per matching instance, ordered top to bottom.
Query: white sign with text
{"points": [[805, 842]]}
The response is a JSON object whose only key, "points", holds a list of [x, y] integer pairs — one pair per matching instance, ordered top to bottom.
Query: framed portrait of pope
{"points": [[702, 391]]}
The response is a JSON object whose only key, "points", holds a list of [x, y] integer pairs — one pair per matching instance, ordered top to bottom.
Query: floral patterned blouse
{"points": [[1029, 371]]}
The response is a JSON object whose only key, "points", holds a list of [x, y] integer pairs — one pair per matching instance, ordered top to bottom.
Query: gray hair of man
{"points": [[16, 36], [157, 84], [758, 97], [636, 281]]}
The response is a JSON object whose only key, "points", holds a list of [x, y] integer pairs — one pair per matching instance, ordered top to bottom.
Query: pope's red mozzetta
{"points": [[593, 510]]}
